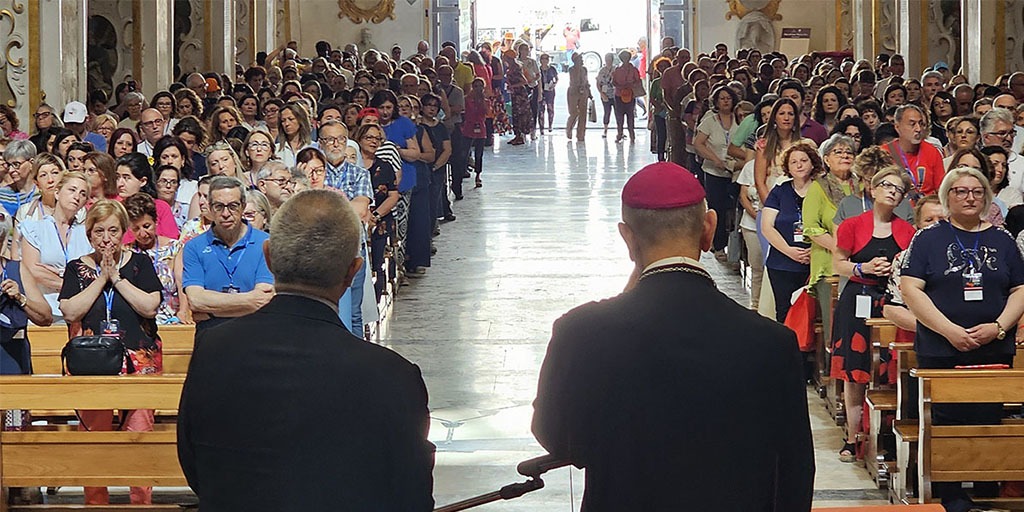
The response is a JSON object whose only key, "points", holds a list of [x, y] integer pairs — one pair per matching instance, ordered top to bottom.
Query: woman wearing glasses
{"points": [[258, 149], [385, 192], [257, 210], [865, 247], [963, 279], [113, 290]]}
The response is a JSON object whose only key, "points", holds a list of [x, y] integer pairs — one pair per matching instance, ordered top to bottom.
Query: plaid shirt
{"points": [[349, 179]]}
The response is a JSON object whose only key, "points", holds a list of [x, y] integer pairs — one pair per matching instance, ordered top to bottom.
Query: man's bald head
{"points": [[1006, 101], [151, 125]]}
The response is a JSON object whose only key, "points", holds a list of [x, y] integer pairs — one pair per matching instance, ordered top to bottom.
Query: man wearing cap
{"points": [[76, 118], [632, 388]]}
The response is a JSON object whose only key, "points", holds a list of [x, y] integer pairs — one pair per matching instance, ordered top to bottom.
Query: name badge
{"points": [[798, 232], [230, 289], [973, 290], [863, 307], [111, 327]]}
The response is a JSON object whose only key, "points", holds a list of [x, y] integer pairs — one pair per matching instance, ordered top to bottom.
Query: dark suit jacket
{"points": [[674, 397], [285, 410]]}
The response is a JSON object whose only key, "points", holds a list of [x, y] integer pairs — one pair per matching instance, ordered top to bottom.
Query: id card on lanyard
{"points": [[230, 270], [973, 285]]}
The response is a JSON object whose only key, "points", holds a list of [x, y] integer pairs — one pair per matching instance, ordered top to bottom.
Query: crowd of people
{"points": [[820, 167], [123, 213]]}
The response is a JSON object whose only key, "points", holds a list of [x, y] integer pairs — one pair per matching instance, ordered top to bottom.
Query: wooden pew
{"points": [[47, 343], [833, 394], [880, 400], [968, 452], [54, 456]]}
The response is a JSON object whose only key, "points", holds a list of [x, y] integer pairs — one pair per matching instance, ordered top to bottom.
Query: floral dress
{"points": [[163, 263]]}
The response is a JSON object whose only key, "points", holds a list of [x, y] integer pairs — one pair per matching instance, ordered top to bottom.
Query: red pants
{"points": [[139, 420]]}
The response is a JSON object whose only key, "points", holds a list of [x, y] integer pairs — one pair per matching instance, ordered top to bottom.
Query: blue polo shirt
{"points": [[210, 263]]}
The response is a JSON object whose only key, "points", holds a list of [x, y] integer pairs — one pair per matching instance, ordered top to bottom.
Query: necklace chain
{"points": [[678, 268]]}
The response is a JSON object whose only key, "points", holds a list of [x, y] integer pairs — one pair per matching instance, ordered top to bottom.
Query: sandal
{"points": [[478, 182], [849, 453]]}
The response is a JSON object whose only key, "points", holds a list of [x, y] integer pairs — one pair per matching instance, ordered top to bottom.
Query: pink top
{"points": [[473, 119], [165, 225]]}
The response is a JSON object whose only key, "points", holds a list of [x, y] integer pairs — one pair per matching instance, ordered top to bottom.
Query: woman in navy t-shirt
{"points": [[789, 258]]}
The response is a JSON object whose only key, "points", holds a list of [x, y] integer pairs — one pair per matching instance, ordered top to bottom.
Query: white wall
{"points": [[314, 20], [711, 26]]}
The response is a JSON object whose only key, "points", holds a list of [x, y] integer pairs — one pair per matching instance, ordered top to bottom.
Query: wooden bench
{"points": [[47, 343], [833, 388], [881, 400], [958, 453], [58, 456], [903, 476], [885, 508]]}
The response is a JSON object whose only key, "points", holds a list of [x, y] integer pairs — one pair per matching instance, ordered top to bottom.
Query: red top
{"points": [[925, 166], [854, 233]]}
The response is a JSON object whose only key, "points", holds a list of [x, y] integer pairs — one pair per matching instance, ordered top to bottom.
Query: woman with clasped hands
{"points": [[962, 279]]}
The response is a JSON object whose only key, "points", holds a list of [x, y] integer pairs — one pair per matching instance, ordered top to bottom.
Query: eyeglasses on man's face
{"points": [[232, 207]]}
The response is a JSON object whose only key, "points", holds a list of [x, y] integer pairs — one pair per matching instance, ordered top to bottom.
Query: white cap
{"points": [[75, 112]]}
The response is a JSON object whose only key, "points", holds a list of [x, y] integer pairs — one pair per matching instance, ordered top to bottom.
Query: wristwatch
{"points": [[1002, 332]]}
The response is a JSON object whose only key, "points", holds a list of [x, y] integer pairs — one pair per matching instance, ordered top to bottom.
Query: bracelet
{"points": [[857, 271]]}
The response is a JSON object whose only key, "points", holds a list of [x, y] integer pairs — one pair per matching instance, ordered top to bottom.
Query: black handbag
{"points": [[95, 355]]}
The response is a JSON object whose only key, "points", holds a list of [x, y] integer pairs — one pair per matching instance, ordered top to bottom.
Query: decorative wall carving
{"points": [[1014, 10], [375, 11], [845, 15], [888, 29], [243, 32], [281, 32], [944, 32], [190, 53], [14, 62]]}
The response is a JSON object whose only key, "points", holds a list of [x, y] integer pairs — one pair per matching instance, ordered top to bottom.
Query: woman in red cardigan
{"points": [[865, 247]]}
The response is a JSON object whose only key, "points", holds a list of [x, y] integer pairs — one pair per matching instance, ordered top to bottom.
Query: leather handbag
{"points": [[95, 355]]}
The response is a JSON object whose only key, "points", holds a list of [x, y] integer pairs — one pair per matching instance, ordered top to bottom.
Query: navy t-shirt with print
{"points": [[784, 199], [939, 255]]}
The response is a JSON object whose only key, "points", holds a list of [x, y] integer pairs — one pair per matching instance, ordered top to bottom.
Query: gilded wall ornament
{"points": [[360, 11]]}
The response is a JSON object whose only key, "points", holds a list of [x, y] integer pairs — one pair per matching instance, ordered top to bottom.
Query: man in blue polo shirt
{"points": [[225, 274]]}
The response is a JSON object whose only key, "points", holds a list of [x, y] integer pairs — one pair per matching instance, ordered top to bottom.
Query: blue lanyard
{"points": [[912, 171], [60, 240], [963, 249], [231, 271], [108, 295]]}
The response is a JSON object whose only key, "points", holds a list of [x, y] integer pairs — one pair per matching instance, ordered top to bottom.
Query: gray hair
{"points": [[931, 74], [134, 95], [902, 109], [988, 121], [837, 139], [19, 150], [268, 168], [960, 172], [222, 182], [260, 201], [6, 227], [314, 239]]}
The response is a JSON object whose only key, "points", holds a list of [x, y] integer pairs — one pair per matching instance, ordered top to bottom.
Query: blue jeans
{"points": [[350, 306]]}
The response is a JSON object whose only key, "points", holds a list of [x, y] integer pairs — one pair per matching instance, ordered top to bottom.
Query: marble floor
{"points": [[538, 239]]}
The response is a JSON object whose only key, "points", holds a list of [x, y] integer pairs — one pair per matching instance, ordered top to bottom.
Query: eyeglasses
{"points": [[270, 111], [42, 115], [155, 122], [1002, 134], [854, 136], [372, 138], [330, 141], [260, 145], [842, 152], [15, 164], [316, 171], [280, 181], [167, 182], [889, 186], [962, 192], [231, 207], [252, 215]]}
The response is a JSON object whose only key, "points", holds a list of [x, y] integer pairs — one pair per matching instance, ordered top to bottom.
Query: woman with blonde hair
{"points": [[112, 290]]}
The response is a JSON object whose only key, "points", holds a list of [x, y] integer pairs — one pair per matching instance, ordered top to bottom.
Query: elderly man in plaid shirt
{"points": [[354, 182]]}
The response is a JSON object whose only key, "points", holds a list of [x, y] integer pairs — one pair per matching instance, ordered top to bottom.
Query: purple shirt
{"points": [[814, 130]]}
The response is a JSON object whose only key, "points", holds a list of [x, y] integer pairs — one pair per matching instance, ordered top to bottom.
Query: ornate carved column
{"points": [[863, 14], [265, 16], [844, 25], [886, 27], [245, 31], [152, 33], [913, 34], [220, 36], [19, 39], [943, 44], [985, 52]]}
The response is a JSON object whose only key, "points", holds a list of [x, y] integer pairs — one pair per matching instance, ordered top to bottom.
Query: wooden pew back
{"points": [[47, 343], [968, 452], [55, 456]]}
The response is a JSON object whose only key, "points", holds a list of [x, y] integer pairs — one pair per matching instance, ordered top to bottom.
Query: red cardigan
{"points": [[854, 233]]}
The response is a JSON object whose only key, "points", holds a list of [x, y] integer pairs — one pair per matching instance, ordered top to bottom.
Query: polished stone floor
{"points": [[537, 240]]}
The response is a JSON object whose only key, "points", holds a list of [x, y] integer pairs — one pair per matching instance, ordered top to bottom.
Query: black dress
{"points": [[851, 337]]}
